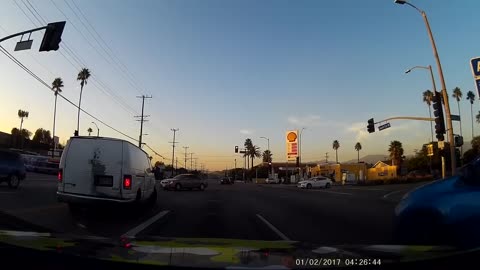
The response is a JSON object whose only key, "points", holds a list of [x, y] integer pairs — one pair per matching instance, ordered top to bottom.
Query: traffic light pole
{"points": [[23, 33], [406, 118]]}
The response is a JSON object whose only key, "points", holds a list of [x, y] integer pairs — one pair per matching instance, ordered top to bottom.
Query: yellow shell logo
{"points": [[291, 137]]}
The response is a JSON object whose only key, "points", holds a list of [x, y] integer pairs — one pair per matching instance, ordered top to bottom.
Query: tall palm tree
{"points": [[82, 76], [57, 85], [457, 94], [428, 98], [471, 98], [22, 114], [478, 117], [89, 130], [336, 145], [248, 146], [358, 147], [396, 152], [254, 153]]}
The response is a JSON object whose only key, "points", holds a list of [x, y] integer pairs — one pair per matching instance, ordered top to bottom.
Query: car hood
{"points": [[434, 188], [209, 252]]}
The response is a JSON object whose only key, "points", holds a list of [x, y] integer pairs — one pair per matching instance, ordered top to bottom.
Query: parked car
{"points": [[12, 168], [104, 170], [419, 175], [185, 181], [226, 181], [272, 181], [315, 182], [443, 212]]}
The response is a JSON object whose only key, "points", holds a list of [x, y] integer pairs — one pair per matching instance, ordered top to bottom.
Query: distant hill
{"points": [[368, 159]]}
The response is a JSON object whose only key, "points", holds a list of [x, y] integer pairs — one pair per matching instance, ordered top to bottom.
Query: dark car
{"points": [[12, 168], [419, 175], [184, 181], [226, 181], [446, 211]]}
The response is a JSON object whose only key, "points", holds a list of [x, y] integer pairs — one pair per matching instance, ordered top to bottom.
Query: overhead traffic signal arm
{"points": [[51, 38]]}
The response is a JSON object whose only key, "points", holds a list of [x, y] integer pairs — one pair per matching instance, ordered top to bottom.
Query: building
{"points": [[382, 171]]}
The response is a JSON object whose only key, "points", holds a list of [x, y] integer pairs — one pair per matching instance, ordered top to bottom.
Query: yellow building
{"points": [[337, 171], [382, 171]]}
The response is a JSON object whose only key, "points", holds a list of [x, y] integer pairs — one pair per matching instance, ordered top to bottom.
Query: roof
{"points": [[380, 164]]}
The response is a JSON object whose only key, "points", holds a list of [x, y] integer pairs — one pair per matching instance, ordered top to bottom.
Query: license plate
{"points": [[104, 180]]}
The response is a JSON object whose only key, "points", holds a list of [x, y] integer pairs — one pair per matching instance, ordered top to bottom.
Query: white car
{"points": [[97, 170], [315, 182]]}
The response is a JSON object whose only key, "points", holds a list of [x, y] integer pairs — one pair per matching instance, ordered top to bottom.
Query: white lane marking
{"points": [[373, 189], [333, 192], [391, 193], [81, 225], [144, 225], [273, 228]]}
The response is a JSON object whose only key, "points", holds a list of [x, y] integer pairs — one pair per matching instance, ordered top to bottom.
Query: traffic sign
{"points": [[477, 84], [455, 117], [384, 126], [441, 144], [430, 150]]}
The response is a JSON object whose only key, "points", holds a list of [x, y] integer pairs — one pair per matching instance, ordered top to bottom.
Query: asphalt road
{"points": [[339, 215]]}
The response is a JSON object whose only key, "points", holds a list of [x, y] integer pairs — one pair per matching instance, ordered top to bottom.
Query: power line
{"points": [[16, 61]]}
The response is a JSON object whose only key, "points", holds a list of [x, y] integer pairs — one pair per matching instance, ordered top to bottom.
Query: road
{"points": [[339, 215]]}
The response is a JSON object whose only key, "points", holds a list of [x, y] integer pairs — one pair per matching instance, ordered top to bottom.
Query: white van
{"points": [[98, 169]]}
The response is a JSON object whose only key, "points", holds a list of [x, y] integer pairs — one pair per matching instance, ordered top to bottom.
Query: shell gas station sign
{"points": [[291, 138]]}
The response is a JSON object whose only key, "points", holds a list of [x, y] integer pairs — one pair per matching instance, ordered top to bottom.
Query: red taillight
{"points": [[60, 175], [127, 181]]}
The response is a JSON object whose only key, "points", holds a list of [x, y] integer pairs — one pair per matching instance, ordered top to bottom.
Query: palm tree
{"points": [[82, 76], [57, 85], [457, 94], [428, 98], [471, 98], [22, 114], [478, 117], [89, 130], [336, 145], [248, 146], [358, 147], [396, 152], [254, 153], [267, 156]]}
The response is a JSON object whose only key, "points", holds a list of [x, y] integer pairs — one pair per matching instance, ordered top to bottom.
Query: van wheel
{"points": [[13, 181], [327, 185], [178, 187], [202, 187]]}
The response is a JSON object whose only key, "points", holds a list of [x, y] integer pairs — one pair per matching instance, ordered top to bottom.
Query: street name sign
{"points": [[455, 117], [384, 126]]}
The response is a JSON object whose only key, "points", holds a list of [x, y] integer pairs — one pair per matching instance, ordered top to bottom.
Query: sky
{"points": [[223, 71]]}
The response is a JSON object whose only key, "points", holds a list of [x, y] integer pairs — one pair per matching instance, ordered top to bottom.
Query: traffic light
{"points": [[52, 37], [439, 119], [371, 126], [75, 133], [458, 141], [236, 149], [298, 162]]}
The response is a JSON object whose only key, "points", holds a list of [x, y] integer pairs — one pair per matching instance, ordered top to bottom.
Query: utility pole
{"points": [[142, 119], [173, 145], [185, 147], [191, 161], [176, 164], [196, 164], [235, 171]]}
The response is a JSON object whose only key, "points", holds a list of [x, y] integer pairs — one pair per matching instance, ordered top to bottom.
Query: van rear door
{"points": [[93, 167]]}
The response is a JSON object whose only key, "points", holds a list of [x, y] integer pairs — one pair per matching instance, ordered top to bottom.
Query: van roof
{"points": [[108, 139]]}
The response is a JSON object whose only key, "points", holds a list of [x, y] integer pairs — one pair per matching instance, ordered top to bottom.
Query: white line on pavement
{"points": [[373, 189], [333, 192], [393, 192], [144, 225], [273, 228]]}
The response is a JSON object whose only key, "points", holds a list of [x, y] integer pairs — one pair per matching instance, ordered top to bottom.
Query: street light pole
{"points": [[444, 88], [98, 130], [300, 144], [268, 147]]}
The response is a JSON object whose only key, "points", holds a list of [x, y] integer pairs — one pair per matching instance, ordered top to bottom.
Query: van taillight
{"points": [[60, 175], [127, 181]]}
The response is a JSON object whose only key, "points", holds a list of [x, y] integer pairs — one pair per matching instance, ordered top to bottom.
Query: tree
{"points": [[82, 76], [57, 85], [457, 94], [471, 98], [428, 99], [22, 114], [89, 130], [23, 134], [42, 136], [476, 144], [336, 145], [248, 146], [358, 147], [254, 152], [396, 152], [469, 155], [267, 156], [159, 163]]}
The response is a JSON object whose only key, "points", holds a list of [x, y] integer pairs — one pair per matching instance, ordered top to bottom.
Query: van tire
{"points": [[13, 181], [178, 187]]}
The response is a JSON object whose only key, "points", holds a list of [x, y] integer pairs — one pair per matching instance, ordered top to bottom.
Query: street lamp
{"points": [[442, 80], [98, 130], [300, 144], [268, 147]]}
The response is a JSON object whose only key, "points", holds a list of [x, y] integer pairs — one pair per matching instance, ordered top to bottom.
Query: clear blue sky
{"points": [[222, 71]]}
